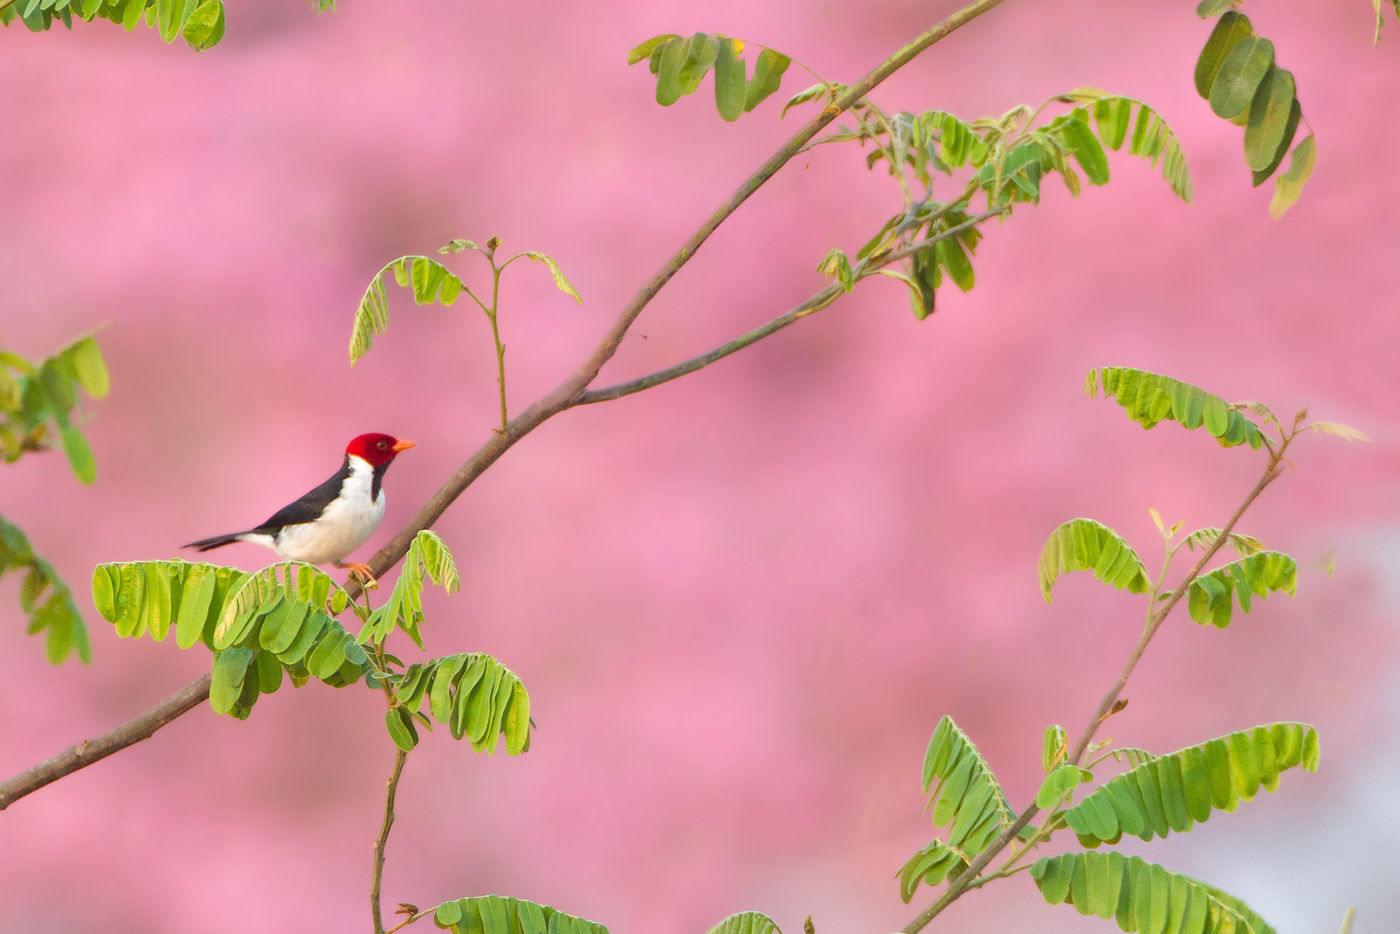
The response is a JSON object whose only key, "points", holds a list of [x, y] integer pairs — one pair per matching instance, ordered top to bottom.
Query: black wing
{"points": [[309, 507]]}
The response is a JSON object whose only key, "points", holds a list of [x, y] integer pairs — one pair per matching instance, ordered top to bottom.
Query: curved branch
{"points": [[565, 395]]}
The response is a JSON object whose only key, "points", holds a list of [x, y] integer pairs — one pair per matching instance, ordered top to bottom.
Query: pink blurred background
{"points": [[741, 601]]}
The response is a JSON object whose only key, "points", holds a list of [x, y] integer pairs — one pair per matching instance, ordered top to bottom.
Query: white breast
{"points": [[347, 523]]}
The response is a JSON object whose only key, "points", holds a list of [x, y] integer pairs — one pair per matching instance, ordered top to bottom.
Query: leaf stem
{"points": [[496, 339], [1109, 702], [400, 757]]}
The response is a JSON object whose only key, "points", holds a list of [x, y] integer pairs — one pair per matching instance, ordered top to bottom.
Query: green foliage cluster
{"points": [[199, 22], [681, 63], [1237, 74], [1004, 160], [1149, 398], [35, 399], [38, 401], [1086, 545], [44, 598], [281, 621], [1157, 795], [1142, 896]]}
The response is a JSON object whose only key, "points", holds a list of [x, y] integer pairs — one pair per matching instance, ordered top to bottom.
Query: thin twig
{"points": [[812, 305], [562, 397], [1105, 708], [376, 882]]}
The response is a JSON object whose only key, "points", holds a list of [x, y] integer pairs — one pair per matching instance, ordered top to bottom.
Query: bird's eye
{"points": [[382, 445]]}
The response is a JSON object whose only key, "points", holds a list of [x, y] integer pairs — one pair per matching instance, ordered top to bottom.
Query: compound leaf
{"points": [[1149, 398], [1086, 545], [1213, 595], [963, 791], [1175, 791], [1141, 896]]}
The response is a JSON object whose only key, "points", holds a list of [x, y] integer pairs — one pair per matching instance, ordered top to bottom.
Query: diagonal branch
{"points": [[567, 394], [1106, 707]]}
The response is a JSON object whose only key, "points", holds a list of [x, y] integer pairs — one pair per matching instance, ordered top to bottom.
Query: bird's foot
{"points": [[363, 572]]}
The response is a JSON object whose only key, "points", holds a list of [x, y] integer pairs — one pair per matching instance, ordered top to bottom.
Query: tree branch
{"points": [[809, 307], [567, 394], [1106, 706], [89, 751], [377, 879]]}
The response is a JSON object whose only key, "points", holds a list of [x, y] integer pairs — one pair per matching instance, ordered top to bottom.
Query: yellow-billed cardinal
{"points": [[334, 519]]}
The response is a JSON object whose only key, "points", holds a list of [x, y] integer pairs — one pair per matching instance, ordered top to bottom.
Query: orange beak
{"points": [[402, 445]]}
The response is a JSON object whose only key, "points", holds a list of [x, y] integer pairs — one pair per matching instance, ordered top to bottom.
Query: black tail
{"points": [[218, 541]]}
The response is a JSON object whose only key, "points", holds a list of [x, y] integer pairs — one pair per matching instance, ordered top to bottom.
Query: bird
{"points": [[335, 518]]}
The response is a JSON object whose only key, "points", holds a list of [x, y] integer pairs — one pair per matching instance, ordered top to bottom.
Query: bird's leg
{"points": [[361, 571]]}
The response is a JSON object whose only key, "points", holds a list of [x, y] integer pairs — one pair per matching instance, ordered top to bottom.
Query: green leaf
{"points": [[1207, 8], [205, 26], [1228, 31], [643, 51], [681, 63], [1240, 74], [767, 77], [815, 92], [1295, 114], [1112, 117], [1269, 130], [1076, 135], [1290, 184], [951, 257], [838, 266], [926, 278], [430, 281], [560, 281], [89, 369], [1149, 398], [79, 454], [1205, 538], [1086, 545], [257, 595], [1213, 595], [404, 607], [279, 612], [57, 615], [230, 668], [479, 699], [399, 722], [1054, 747], [1061, 781], [1175, 791], [964, 793], [930, 866], [1141, 896], [499, 914], [746, 922]]}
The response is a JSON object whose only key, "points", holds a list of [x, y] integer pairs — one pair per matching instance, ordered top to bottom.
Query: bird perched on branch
{"points": [[334, 519]]}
